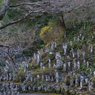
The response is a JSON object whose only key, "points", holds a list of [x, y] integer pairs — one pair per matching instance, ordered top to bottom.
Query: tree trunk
{"points": [[62, 24]]}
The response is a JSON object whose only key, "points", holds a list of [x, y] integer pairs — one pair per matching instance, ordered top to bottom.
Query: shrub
{"points": [[45, 30], [50, 32], [40, 41], [42, 46], [29, 51], [61, 52], [51, 56], [33, 67], [46, 71], [20, 77], [68, 79], [93, 80]]}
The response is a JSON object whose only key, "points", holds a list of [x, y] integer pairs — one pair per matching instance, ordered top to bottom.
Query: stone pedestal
{"points": [[52, 48], [58, 68], [58, 74], [28, 77], [71, 81]]}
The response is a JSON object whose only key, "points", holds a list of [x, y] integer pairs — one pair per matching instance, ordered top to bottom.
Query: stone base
{"points": [[51, 52]]}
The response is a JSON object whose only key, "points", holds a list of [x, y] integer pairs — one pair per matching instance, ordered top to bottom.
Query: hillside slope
{"points": [[66, 66]]}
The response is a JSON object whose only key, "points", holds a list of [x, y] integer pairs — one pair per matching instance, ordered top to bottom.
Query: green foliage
{"points": [[14, 1], [1, 4], [15, 13], [41, 20], [79, 25], [89, 26], [51, 31], [74, 31], [47, 32], [40, 41], [76, 45], [42, 46], [29, 51], [61, 52], [88, 55], [51, 56], [94, 59], [3, 63], [33, 67], [21, 68], [83, 68], [86, 70], [46, 71], [20, 77], [68, 79], [93, 80], [39, 83], [85, 84], [58, 90], [64, 92]]}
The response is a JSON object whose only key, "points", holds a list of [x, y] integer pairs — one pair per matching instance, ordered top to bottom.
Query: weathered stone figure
{"points": [[52, 48], [58, 68]]}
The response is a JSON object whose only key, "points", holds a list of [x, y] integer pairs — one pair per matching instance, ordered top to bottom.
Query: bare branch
{"points": [[25, 3], [78, 7], [51, 10], [3, 11], [14, 22], [4, 46]]}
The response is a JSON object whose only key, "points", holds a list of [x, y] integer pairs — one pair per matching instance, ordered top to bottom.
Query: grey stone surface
{"points": [[65, 47], [52, 48], [49, 62], [41, 65], [28, 77]]}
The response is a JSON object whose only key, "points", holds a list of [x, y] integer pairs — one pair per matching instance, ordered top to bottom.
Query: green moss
{"points": [[29, 51], [61, 51], [51, 56], [54, 62], [33, 67], [46, 71], [20, 77], [68, 79], [93, 80], [18, 83], [86, 84], [78, 88], [65, 91], [69, 92], [77, 93]]}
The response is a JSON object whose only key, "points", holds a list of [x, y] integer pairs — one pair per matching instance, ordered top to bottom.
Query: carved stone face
{"points": [[58, 56]]}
